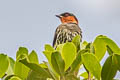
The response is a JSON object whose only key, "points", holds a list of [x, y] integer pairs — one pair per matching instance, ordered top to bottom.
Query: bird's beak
{"points": [[58, 16]]}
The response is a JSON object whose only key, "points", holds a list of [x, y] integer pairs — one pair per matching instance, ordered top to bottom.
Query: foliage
{"points": [[64, 62]]}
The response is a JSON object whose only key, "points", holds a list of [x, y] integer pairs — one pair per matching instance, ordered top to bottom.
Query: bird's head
{"points": [[67, 18]]}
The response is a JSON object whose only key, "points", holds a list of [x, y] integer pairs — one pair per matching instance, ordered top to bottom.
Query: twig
{"points": [[89, 76]]}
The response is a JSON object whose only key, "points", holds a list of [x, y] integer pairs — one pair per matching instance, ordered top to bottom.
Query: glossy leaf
{"points": [[76, 40], [103, 43], [83, 45], [60, 47], [100, 47], [114, 47], [48, 48], [109, 50], [22, 51], [48, 51], [69, 54], [48, 56], [33, 58], [116, 60], [77, 61], [4, 63], [58, 63], [92, 64], [43, 65], [35, 67], [109, 69], [10, 70], [21, 70], [52, 71], [33, 75], [85, 75], [8, 77], [71, 77], [15, 78], [50, 79]]}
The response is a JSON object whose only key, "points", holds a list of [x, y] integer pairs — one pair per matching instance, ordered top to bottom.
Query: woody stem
{"points": [[89, 76]]}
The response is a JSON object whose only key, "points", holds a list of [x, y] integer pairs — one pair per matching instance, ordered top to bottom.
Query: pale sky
{"points": [[32, 23]]}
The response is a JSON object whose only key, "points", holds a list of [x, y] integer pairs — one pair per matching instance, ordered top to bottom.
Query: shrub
{"points": [[64, 62]]}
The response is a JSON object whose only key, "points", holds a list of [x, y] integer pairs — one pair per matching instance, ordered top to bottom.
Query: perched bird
{"points": [[66, 31]]}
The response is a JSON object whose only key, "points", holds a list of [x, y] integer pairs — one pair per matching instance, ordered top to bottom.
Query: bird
{"points": [[67, 30]]}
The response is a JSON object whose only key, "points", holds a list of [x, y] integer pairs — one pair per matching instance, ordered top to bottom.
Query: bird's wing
{"points": [[57, 33], [55, 36]]}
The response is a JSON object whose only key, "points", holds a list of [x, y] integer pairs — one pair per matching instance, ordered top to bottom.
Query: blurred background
{"points": [[32, 23]]}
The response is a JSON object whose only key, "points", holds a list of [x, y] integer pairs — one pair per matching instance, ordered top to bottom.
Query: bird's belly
{"points": [[65, 36]]}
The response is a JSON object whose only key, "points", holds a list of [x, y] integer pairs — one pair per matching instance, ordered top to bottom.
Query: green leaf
{"points": [[76, 40], [103, 43], [111, 44], [83, 45], [60, 47], [99, 47], [48, 48], [109, 50], [21, 51], [48, 51], [69, 54], [48, 56], [33, 58], [116, 60], [77, 61], [4, 63], [58, 63], [92, 64], [43, 65], [35, 67], [109, 69], [10, 70], [21, 70], [52, 71], [33, 75], [85, 75], [8, 77], [71, 77], [15, 78], [50, 79]]}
